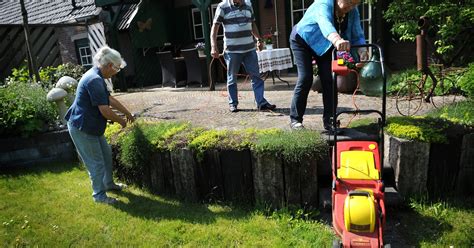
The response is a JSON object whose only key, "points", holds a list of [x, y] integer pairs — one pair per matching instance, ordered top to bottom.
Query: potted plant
{"points": [[267, 39], [200, 46], [348, 83]]}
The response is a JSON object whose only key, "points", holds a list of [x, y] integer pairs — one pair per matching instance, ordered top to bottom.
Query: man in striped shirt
{"points": [[238, 21]]}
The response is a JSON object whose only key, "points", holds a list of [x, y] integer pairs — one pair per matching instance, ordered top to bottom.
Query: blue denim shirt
{"points": [[318, 22], [84, 112]]}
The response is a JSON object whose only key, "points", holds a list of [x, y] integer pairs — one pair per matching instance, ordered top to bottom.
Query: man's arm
{"points": [[256, 34], [214, 48]]}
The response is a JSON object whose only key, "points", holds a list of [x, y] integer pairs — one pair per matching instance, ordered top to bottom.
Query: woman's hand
{"points": [[342, 45], [130, 118]]}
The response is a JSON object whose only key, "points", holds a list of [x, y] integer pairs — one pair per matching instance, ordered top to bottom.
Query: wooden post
{"points": [[31, 59]]}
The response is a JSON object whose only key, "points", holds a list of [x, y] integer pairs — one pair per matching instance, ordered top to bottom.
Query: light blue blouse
{"points": [[318, 22]]}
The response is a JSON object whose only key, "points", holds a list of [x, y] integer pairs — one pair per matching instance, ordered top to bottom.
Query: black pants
{"points": [[303, 55]]}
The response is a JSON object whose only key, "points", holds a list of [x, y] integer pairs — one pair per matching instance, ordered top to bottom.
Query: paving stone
{"points": [[209, 109]]}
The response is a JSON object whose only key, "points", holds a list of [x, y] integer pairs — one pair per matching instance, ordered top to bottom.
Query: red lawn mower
{"points": [[358, 206]]}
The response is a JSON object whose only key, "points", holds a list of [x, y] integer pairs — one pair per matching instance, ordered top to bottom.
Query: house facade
{"points": [[72, 30]]}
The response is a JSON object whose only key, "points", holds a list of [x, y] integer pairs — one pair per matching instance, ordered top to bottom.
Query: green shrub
{"points": [[49, 75], [466, 82], [24, 109], [459, 113], [424, 129], [226, 140], [292, 146]]}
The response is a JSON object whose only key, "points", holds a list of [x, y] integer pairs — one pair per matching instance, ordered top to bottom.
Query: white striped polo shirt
{"points": [[237, 23]]}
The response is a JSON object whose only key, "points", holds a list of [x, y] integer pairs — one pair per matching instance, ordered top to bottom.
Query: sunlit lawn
{"points": [[51, 206]]}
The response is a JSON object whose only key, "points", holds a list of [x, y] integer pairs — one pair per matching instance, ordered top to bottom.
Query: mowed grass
{"points": [[51, 206]]}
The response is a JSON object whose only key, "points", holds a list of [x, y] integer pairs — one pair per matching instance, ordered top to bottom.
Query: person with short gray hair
{"points": [[87, 118]]}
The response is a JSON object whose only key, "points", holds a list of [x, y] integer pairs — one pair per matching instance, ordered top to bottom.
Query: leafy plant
{"points": [[451, 26], [267, 39], [49, 75], [466, 82], [24, 109], [460, 113], [424, 129], [291, 146]]}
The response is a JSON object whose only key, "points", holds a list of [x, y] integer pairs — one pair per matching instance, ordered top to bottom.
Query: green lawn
{"points": [[51, 206]]}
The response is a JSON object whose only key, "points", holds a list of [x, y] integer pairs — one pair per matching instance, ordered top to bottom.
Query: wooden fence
{"points": [[44, 43]]}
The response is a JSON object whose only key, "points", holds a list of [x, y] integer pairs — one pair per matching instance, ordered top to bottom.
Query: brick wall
{"points": [[268, 19], [66, 42]]}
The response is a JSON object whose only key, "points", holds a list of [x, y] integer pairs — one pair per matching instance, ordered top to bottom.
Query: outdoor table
{"points": [[272, 60]]}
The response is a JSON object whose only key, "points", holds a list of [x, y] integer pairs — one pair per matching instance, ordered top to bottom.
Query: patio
{"points": [[209, 109]]}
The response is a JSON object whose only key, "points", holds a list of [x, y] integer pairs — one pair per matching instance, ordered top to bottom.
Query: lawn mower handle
{"points": [[382, 113]]}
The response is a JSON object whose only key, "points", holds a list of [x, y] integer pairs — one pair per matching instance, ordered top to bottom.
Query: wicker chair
{"points": [[194, 68], [168, 69]]}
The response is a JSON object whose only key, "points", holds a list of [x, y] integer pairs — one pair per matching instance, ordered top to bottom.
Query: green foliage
{"points": [[451, 25], [49, 75], [400, 79], [466, 82], [24, 109], [459, 113], [365, 125], [424, 129], [112, 131], [226, 140], [292, 146], [135, 149], [439, 223]]}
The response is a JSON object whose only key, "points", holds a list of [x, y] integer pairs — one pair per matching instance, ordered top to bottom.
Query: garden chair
{"points": [[168, 69], [194, 69]]}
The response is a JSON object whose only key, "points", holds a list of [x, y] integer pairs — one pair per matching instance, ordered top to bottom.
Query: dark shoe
{"points": [[267, 106], [233, 108], [296, 125], [107, 200]]}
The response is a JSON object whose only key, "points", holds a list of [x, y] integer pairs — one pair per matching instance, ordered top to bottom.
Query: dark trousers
{"points": [[303, 55]]}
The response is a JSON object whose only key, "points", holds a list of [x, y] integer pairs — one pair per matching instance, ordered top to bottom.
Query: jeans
{"points": [[303, 56], [250, 61], [96, 155]]}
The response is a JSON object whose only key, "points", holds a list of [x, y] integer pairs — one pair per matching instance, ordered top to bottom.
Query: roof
{"points": [[47, 12], [127, 15]]}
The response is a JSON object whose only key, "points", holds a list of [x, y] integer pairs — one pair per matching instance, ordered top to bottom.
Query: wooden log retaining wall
{"points": [[246, 177]]}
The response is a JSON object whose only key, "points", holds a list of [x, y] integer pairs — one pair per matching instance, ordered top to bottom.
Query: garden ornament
{"points": [[68, 84], [57, 95]]}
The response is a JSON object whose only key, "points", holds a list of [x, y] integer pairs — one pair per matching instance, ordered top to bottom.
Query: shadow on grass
{"points": [[55, 168], [170, 209], [407, 228]]}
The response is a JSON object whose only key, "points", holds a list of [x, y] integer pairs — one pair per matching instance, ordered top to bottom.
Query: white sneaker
{"points": [[296, 125], [117, 187]]}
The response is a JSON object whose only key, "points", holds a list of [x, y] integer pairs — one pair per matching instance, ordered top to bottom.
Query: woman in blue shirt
{"points": [[326, 24], [87, 118]]}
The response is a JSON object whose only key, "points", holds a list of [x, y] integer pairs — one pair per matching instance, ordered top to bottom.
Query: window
{"points": [[298, 8], [365, 11], [198, 25], [83, 51]]}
